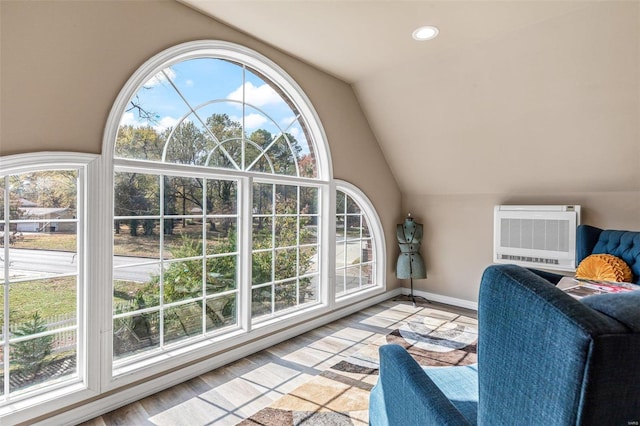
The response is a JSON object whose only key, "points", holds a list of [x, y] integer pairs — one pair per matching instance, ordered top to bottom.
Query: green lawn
{"points": [[51, 298]]}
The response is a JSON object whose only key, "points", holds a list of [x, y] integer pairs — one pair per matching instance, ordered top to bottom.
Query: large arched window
{"points": [[218, 157]]}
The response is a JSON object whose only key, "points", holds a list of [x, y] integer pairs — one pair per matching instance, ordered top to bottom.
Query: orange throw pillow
{"points": [[604, 267]]}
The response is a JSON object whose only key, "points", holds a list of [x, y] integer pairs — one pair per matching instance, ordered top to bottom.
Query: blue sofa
{"points": [[592, 240], [544, 358]]}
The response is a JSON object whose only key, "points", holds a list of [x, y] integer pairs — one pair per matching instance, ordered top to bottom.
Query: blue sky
{"points": [[205, 79]]}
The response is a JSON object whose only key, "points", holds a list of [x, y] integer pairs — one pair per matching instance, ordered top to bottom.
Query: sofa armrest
{"points": [[586, 239], [552, 277], [405, 395]]}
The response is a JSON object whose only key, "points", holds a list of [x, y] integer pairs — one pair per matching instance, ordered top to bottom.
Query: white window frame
{"points": [[377, 235], [139, 368], [40, 402]]}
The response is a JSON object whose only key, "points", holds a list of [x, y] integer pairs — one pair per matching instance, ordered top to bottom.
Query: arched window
{"points": [[218, 157], [359, 243]]}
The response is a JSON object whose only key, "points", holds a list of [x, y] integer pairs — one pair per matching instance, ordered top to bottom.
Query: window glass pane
{"points": [[194, 79], [139, 134], [188, 142], [281, 155], [136, 194], [44, 195], [182, 196], [222, 197], [262, 198], [286, 199], [308, 201], [352, 206], [352, 226], [340, 228], [308, 230], [286, 231], [262, 232], [366, 233], [222, 237], [137, 238], [186, 240], [308, 260], [31, 263], [286, 263], [262, 267], [221, 274], [367, 277], [352, 278], [182, 280], [341, 283], [136, 287], [309, 289], [286, 295], [261, 301], [51, 302], [221, 311], [183, 321], [135, 333], [43, 358]]}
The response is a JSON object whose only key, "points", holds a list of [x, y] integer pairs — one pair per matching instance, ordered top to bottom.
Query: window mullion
{"points": [[245, 242], [5, 322]]}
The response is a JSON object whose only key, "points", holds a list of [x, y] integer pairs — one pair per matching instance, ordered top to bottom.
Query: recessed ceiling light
{"points": [[425, 33]]}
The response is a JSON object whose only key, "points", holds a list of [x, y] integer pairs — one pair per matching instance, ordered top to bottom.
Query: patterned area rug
{"points": [[340, 395]]}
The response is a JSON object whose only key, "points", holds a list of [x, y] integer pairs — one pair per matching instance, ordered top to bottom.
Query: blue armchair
{"points": [[544, 358]]}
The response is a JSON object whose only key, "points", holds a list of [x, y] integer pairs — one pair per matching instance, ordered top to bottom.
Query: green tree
{"points": [[139, 142], [32, 355]]}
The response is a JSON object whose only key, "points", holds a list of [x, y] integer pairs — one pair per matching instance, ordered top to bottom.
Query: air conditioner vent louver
{"points": [[542, 236], [540, 260]]}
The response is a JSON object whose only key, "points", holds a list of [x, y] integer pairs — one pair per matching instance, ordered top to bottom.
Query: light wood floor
{"points": [[228, 395]]}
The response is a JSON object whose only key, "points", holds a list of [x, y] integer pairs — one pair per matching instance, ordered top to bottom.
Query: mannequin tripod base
{"points": [[411, 297]]}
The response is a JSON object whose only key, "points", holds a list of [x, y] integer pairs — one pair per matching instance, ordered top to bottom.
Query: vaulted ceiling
{"points": [[508, 88]]}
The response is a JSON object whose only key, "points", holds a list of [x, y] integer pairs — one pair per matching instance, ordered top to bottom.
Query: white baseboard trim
{"points": [[442, 299], [130, 394]]}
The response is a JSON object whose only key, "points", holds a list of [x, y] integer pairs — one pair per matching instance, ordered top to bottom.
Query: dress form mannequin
{"points": [[410, 263]]}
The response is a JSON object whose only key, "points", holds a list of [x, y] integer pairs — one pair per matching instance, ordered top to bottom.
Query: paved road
{"points": [[25, 263]]}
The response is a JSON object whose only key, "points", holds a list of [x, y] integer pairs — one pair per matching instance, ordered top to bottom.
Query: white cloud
{"points": [[160, 78], [190, 83], [258, 96], [128, 119], [251, 121], [287, 121], [165, 123], [295, 131]]}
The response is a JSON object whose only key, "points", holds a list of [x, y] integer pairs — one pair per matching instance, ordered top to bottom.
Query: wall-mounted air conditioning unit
{"points": [[536, 236]]}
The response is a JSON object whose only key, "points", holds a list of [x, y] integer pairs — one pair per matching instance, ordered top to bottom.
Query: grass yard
{"points": [[46, 241], [51, 298]]}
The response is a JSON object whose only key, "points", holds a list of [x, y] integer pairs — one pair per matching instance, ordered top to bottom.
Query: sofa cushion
{"points": [[604, 267], [623, 307], [464, 398]]}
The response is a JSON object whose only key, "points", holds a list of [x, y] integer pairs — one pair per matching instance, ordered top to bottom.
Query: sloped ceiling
{"points": [[504, 100]]}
